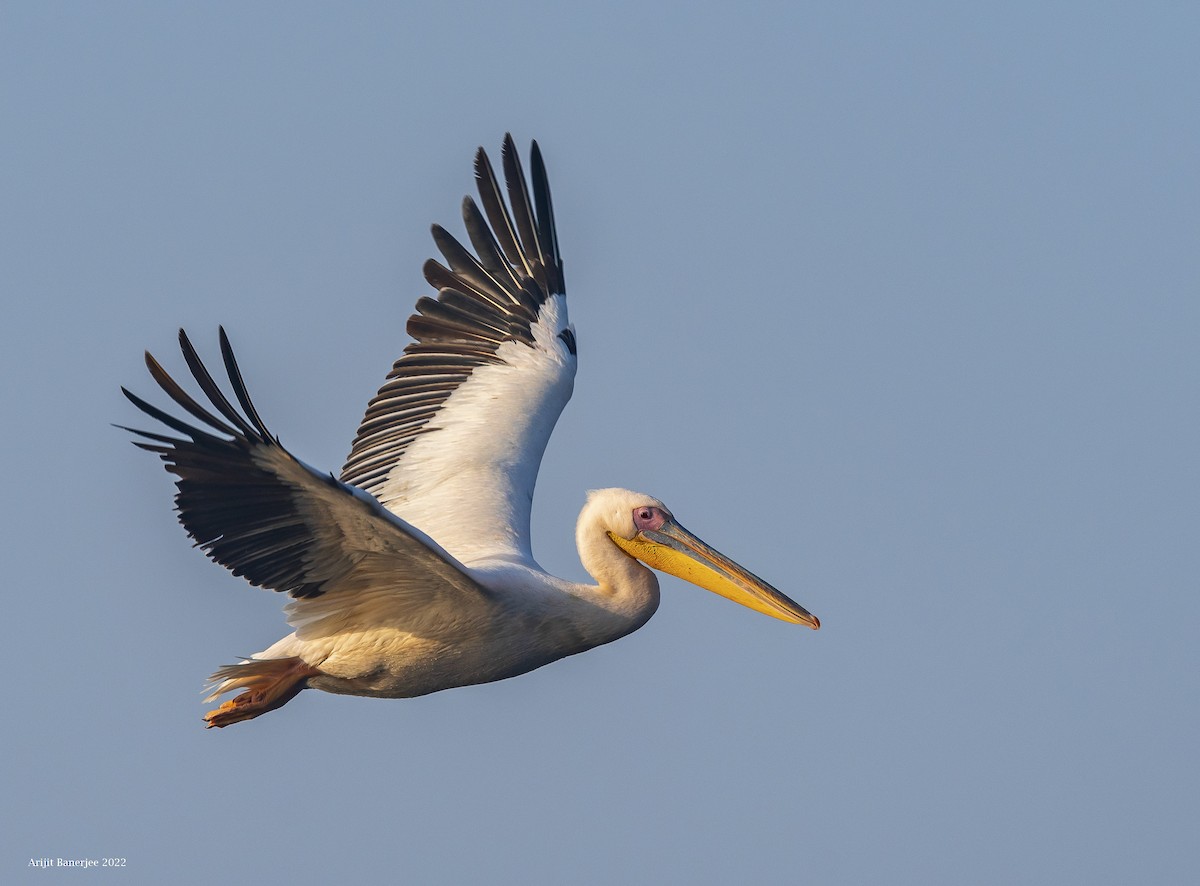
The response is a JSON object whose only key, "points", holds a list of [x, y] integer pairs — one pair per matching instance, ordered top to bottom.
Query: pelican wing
{"points": [[453, 440], [263, 514]]}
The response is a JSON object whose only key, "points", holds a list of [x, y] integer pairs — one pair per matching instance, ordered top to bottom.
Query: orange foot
{"points": [[270, 684]]}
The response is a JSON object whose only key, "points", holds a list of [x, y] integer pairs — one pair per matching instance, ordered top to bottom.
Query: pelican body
{"points": [[413, 572]]}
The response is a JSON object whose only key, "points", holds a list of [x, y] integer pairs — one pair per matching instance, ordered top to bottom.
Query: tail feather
{"points": [[249, 673]]}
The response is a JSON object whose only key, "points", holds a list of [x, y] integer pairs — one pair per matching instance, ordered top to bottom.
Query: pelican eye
{"points": [[649, 517]]}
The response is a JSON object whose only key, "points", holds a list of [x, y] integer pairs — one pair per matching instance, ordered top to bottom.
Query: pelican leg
{"points": [[269, 684]]}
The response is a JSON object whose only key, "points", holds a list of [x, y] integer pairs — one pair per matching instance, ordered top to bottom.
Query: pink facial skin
{"points": [[649, 518]]}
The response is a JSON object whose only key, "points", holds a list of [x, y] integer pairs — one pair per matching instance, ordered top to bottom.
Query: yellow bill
{"points": [[673, 549]]}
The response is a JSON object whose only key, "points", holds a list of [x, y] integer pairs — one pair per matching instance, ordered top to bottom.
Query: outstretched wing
{"points": [[454, 438], [260, 512]]}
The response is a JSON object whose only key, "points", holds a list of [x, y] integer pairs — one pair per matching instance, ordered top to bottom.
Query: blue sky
{"points": [[896, 304]]}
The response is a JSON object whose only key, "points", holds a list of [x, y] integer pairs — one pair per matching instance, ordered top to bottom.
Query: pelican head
{"points": [[645, 529]]}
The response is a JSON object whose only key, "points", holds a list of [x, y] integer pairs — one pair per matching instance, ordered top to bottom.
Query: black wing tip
{"points": [[508, 153], [483, 166], [185, 343], [239, 387], [249, 428], [150, 435]]}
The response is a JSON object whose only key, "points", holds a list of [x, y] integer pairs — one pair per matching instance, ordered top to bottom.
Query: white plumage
{"points": [[491, 439], [414, 572]]}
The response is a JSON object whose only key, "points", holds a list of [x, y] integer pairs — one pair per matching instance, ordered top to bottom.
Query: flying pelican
{"points": [[413, 572]]}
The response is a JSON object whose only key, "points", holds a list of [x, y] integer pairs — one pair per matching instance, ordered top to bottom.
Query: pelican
{"points": [[413, 572]]}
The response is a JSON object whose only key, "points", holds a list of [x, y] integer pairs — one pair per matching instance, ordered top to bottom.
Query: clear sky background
{"points": [[897, 304]]}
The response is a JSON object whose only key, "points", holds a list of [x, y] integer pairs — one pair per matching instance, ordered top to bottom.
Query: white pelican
{"points": [[414, 571]]}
